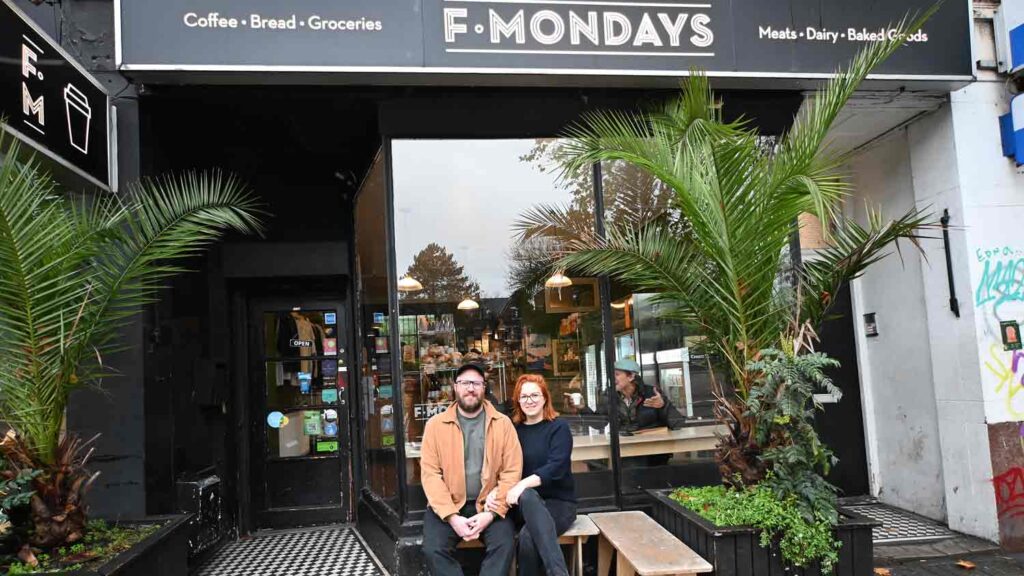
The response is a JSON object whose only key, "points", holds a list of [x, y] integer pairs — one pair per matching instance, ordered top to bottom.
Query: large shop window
{"points": [[470, 289]]}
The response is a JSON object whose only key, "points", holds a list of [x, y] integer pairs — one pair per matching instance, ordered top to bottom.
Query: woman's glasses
{"points": [[531, 398]]}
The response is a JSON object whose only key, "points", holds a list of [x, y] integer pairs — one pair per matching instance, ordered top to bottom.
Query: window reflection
{"points": [[471, 287], [472, 290], [375, 387]]}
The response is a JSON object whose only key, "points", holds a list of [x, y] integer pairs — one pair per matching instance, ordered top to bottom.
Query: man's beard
{"points": [[464, 403]]}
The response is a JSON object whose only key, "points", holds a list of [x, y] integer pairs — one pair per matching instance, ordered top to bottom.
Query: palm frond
{"points": [[165, 220], [853, 248], [74, 270]]}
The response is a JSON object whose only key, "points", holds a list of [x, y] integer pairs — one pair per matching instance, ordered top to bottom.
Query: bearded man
{"points": [[468, 450]]}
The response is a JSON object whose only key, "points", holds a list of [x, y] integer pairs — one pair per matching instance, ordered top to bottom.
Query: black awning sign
{"points": [[728, 38], [50, 101], [1010, 330]]}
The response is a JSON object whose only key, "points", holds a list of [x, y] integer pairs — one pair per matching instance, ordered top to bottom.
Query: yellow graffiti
{"points": [[1008, 385]]}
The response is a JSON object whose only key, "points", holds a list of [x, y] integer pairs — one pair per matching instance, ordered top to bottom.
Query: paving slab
{"points": [[959, 545], [992, 564]]}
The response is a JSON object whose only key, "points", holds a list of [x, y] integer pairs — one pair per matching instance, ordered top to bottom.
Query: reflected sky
{"points": [[465, 195]]}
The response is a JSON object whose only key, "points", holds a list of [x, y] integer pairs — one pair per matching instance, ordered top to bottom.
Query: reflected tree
{"points": [[631, 194], [632, 197], [442, 277]]}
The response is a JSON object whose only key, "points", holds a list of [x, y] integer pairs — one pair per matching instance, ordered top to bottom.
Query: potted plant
{"points": [[715, 256], [73, 271], [789, 519]]}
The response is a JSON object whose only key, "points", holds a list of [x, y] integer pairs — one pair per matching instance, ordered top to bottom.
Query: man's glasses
{"points": [[470, 383], [531, 398]]}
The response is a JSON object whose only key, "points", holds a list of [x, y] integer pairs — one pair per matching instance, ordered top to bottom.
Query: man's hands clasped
{"points": [[470, 528]]}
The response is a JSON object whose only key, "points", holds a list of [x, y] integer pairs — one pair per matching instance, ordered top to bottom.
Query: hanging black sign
{"points": [[737, 38], [49, 101]]}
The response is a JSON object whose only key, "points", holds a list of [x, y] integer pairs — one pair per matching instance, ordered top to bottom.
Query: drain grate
{"points": [[900, 525]]}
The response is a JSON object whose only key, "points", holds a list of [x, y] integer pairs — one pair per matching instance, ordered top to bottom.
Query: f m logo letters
{"points": [[32, 107]]}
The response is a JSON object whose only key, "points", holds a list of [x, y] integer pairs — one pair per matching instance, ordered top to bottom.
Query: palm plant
{"points": [[714, 258], [73, 272]]}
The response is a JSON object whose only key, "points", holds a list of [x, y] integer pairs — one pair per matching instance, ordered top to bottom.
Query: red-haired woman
{"points": [[545, 499]]}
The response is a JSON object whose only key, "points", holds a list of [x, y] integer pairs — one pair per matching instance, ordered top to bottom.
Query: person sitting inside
{"points": [[641, 406]]}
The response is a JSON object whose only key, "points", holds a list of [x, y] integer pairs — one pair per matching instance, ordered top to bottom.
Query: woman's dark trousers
{"points": [[542, 521]]}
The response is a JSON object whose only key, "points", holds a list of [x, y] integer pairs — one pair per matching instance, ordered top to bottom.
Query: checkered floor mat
{"points": [[900, 525], [319, 552]]}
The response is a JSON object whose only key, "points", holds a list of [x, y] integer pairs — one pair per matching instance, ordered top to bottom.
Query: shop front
{"points": [[400, 148]]}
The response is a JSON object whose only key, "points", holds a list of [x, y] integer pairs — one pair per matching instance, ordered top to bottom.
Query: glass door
{"points": [[301, 429]]}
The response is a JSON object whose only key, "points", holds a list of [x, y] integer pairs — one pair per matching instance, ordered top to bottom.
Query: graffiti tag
{"points": [[1005, 251], [1002, 280], [1009, 384], [1010, 493]]}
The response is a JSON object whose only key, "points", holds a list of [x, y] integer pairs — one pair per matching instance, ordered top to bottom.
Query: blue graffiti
{"points": [[1001, 281]]}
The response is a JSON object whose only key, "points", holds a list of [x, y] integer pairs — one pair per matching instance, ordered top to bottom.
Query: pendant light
{"points": [[558, 280], [409, 284], [468, 304], [623, 304]]}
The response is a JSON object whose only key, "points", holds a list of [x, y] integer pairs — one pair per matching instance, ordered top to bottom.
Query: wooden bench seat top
{"points": [[583, 526], [652, 550]]}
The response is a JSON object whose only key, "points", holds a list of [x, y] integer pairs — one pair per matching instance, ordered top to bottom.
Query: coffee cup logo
{"points": [[79, 117]]}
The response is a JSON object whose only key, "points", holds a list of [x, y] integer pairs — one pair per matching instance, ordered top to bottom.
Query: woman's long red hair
{"points": [[518, 416]]}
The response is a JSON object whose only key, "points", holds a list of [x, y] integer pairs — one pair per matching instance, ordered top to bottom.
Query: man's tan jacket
{"points": [[442, 463]]}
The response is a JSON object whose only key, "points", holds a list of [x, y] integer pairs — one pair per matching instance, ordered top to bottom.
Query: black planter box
{"points": [[736, 550], [164, 553]]}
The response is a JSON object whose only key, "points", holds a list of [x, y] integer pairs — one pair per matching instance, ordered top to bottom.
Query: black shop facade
{"points": [[395, 146]]}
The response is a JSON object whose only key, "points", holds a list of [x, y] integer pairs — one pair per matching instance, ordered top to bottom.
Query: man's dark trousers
{"points": [[439, 541]]}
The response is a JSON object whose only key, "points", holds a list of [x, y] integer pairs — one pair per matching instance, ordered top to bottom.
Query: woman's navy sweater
{"points": [[547, 452]]}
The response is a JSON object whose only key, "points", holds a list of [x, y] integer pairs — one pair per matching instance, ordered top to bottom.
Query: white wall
{"points": [[942, 180], [896, 369], [932, 382]]}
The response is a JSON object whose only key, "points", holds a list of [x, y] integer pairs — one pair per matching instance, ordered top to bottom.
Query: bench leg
{"points": [[604, 556], [623, 567], [577, 568]]}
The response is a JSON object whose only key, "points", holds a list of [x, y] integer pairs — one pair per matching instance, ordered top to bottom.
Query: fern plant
{"points": [[781, 405], [15, 491]]}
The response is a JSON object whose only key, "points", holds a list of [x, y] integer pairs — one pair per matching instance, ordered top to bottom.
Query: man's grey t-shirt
{"points": [[472, 452]]}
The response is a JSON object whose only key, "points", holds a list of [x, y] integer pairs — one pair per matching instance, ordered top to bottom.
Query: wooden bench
{"points": [[576, 536], [643, 547]]}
